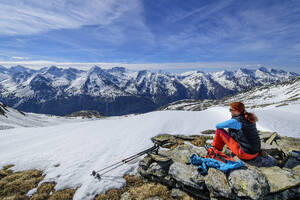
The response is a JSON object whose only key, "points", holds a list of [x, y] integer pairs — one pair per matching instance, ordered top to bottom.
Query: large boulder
{"points": [[165, 140], [287, 144], [183, 152], [157, 170], [187, 175], [280, 179], [248, 183], [217, 184]]}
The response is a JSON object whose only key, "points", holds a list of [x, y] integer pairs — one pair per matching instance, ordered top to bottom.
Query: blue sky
{"points": [[171, 34]]}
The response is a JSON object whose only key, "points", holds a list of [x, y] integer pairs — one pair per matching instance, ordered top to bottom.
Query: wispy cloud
{"points": [[32, 17], [134, 31], [20, 58], [206, 66]]}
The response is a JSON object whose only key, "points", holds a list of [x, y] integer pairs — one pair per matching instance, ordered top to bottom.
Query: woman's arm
{"points": [[232, 123]]}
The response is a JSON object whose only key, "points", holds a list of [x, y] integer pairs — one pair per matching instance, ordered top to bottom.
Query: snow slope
{"points": [[280, 94], [14, 119], [81, 147]]}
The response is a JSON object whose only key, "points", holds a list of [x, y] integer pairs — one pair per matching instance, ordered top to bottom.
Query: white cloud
{"points": [[35, 16], [20, 58], [137, 66]]}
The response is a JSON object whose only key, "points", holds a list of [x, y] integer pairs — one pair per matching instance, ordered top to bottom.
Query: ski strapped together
{"points": [[98, 174]]}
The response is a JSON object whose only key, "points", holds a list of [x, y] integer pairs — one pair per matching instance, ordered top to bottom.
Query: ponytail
{"points": [[250, 117]]}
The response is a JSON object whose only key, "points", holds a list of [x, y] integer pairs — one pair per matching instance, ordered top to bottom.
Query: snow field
{"points": [[79, 148]]}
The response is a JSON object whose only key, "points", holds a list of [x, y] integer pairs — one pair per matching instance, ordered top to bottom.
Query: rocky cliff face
{"points": [[119, 91], [264, 178]]}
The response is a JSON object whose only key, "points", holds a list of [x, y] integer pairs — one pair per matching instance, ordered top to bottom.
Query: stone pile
{"points": [[260, 180]]}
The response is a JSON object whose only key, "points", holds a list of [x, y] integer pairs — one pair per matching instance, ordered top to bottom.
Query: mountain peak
{"points": [[53, 67], [2, 68], [18, 68], [95, 69], [118, 69], [263, 69], [54, 70], [244, 70]]}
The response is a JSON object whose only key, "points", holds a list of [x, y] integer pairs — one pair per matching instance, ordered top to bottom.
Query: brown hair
{"points": [[240, 107]]}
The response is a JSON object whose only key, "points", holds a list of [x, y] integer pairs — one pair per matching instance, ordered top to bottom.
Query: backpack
{"points": [[214, 153]]}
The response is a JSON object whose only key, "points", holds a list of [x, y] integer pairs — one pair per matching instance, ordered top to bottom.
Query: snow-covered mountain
{"points": [[120, 91], [272, 95], [68, 153]]}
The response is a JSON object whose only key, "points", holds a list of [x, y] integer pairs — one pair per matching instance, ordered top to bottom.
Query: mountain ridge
{"points": [[118, 91], [278, 94]]}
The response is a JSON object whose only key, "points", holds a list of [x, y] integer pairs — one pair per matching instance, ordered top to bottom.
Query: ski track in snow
{"points": [[81, 147]]}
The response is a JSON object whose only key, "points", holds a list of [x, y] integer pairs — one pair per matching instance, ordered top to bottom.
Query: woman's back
{"points": [[247, 136]]}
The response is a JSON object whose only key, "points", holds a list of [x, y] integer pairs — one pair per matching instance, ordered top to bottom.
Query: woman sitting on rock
{"points": [[242, 136]]}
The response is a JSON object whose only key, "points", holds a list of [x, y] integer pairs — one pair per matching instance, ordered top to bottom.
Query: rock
{"points": [[208, 132], [264, 135], [184, 137], [271, 138], [164, 139], [201, 140], [287, 144], [269, 146], [274, 150], [200, 151], [183, 152], [180, 154], [160, 158], [145, 163], [157, 170], [296, 170], [142, 172], [3, 173], [187, 175], [280, 179], [168, 180], [248, 183], [217, 184], [293, 193], [179, 194], [126, 196], [280, 196], [153, 198]]}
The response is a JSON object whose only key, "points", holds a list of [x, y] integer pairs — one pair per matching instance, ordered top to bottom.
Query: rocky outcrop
{"points": [[2, 109], [86, 114], [273, 176], [248, 183], [217, 184]]}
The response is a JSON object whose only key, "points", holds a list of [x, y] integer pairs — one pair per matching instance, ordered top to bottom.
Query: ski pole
{"points": [[124, 160], [116, 165], [99, 175]]}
